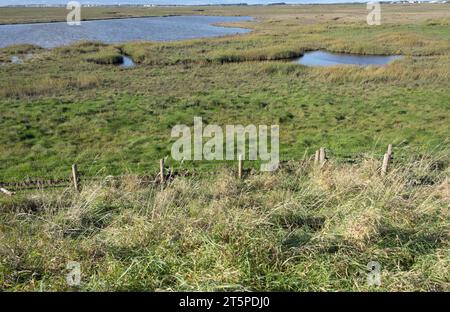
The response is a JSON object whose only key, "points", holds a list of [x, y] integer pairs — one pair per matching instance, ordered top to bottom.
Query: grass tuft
{"points": [[297, 229]]}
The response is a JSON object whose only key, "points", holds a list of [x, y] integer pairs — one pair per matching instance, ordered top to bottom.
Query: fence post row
{"points": [[320, 157]]}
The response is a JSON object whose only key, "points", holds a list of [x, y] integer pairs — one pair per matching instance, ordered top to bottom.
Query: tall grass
{"points": [[17, 50], [262, 54], [106, 56], [49, 85], [297, 229]]}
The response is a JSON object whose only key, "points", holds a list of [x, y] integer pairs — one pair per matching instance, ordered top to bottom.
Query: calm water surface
{"points": [[49, 35], [324, 58], [127, 62]]}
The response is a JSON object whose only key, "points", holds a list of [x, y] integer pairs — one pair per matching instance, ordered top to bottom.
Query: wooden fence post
{"points": [[389, 150], [322, 156], [316, 157], [386, 160], [240, 165], [385, 165], [161, 170], [75, 177], [6, 192]]}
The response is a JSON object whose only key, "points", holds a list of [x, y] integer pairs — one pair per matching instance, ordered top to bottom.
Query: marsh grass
{"points": [[21, 49], [17, 50], [262, 54], [109, 57], [48, 85], [105, 118], [297, 229]]}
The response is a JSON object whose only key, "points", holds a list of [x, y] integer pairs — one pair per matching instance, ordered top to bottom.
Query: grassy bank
{"points": [[298, 229]]}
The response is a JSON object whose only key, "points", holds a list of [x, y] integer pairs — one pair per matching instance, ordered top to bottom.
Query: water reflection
{"points": [[49, 35], [324, 58], [127, 62]]}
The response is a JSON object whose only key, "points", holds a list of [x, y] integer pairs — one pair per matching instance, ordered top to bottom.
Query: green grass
{"points": [[112, 57], [60, 109], [296, 229], [299, 229]]}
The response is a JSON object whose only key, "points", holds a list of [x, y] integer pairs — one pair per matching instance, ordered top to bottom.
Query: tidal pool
{"points": [[324, 58], [16, 60], [127, 62]]}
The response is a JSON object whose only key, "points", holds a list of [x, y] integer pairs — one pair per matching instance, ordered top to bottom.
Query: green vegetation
{"points": [[20, 50], [110, 56], [65, 106], [296, 229]]}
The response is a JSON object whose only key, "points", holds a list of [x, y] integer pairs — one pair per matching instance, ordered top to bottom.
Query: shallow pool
{"points": [[324, 58]]}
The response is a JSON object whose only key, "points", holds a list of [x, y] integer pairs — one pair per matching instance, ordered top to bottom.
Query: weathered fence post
{"points": [[389, 150], [322, 156], [316, 158], [386, 159], [240, 165], [385, 165], [161, 170], [75, 177], [6, 192]]}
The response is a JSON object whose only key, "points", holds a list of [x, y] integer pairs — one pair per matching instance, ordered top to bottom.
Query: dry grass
{"points": [[307, 14], [49, 85], [298, 229]]}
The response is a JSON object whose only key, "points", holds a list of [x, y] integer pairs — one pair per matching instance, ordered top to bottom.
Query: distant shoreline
{"points": [[62, 5], [194, 12], [21, 14], [96, 19]]}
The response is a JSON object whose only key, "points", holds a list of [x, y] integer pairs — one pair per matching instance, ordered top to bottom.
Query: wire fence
{"points": [[168, 173]]}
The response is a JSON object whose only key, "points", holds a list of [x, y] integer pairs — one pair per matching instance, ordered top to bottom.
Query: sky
{"points": [[185, 2]]}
